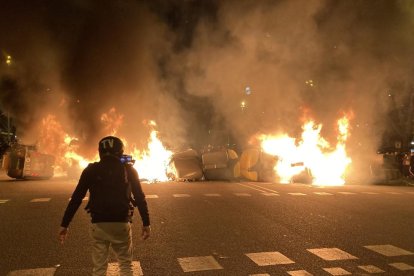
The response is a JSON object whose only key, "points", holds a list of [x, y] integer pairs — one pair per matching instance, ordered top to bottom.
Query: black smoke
{"points": [[188, 64]]}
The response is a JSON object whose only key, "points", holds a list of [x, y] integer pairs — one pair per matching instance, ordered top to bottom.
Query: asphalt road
{"points": [[220, 228]]}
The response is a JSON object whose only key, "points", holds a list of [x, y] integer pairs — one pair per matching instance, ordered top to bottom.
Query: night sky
{"points": [[187, 65]]}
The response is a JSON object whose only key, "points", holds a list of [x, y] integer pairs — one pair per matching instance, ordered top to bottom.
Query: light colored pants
{"points": [[117, 235]]}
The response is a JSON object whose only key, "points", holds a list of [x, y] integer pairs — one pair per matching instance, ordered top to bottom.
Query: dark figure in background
{"points": [[411, 164], [406, 165], [114, 188]]}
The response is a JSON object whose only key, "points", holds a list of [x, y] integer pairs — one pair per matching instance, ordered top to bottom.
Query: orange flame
{"points": [[152, 164], [327, 165]]}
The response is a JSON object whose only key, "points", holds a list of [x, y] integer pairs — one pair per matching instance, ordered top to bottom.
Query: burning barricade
{"points": [[270, 158], [256, 165], [186, 166]]}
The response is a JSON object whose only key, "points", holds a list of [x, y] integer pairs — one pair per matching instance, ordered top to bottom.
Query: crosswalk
{"points": [[265, 193], [263, 260]]}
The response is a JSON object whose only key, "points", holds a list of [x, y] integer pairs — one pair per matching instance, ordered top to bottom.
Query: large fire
{"points": [[311, 155], [151, 163], [326, 164]]}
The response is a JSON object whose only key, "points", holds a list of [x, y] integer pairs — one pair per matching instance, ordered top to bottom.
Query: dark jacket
{"points": [[110, 184]]}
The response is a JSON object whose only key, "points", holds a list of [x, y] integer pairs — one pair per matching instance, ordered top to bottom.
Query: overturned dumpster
{"points": [[25, 162], [222, 164], [256, 165], [186, 166]]}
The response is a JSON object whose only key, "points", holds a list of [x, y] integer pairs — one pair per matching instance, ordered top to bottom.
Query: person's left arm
{"points": [[140, 201]]}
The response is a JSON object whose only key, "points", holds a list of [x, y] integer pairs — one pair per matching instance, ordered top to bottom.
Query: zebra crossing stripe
{"points": [[322, 193], [346, 193], [370, 193], [393, 193], [297, 194], [181, 195], [151, 196], [43, 199], [84, 199], [2, 201], [389, 250], [331, 254], [269, 258], [191, 264], [402, 266], [113, 269], [371, 269], [50, 271], [337, 271], [299, 273]]}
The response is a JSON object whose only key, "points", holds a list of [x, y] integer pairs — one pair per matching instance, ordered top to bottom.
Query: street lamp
{"points": [[8, 60]]}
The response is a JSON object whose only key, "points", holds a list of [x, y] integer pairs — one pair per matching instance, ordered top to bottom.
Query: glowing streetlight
{"points": [[8, 60], [310, 83], [243, 105]]}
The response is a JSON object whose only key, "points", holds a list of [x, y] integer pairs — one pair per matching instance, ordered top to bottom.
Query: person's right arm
{"points": [[77, 197]]}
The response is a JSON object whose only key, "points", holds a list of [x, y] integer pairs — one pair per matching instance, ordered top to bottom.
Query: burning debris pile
{"points": [[278, 158], [326, 165]]}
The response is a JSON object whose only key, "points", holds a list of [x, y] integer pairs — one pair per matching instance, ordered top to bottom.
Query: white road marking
{"points": [[258, 188], [263, 188], [322, 193], [346, 193], [370, 193], [393, 193], [242, 194], [270, 194], [297, 194], [181, 195], [213, 195], [151, 196], [40, 199], [84, 199], [2, 201], [389, 250], [331, 254], [269, 258], [191, 264], [402, 266], [113, 269], [371, 269], [50, 271], [337, 271], [299, 273]]}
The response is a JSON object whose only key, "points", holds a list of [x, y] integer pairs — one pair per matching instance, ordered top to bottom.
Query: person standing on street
{"points": [[114, 189]]}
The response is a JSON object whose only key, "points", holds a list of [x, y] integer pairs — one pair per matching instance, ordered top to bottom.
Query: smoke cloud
{"points": [[207, 71]]}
